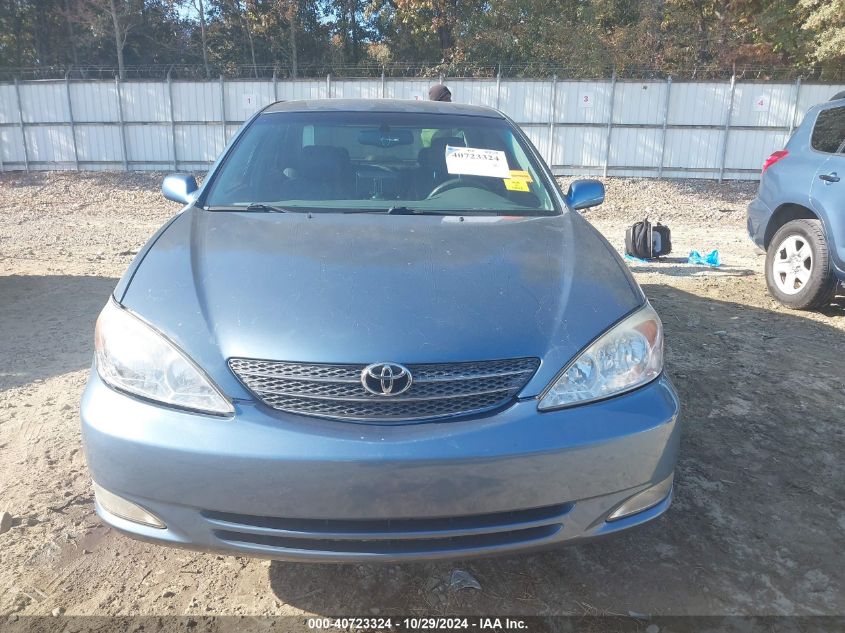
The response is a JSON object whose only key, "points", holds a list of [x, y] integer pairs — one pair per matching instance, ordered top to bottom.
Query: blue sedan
{"points": [[378, 331]]}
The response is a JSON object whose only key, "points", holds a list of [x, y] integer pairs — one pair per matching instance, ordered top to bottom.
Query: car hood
{"points": [[365, 288]]}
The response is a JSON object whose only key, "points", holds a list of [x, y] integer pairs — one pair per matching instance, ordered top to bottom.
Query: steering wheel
{"points": [[454, 183]]}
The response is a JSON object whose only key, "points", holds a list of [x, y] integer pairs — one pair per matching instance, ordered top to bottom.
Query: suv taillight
{"points": [[771, 160]]}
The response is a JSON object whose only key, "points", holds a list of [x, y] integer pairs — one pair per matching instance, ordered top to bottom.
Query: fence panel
{"points": [[302, 89], [356, 89], [413, 89], [479, 91], [245, 98], [144, 101], [196, 101], [43, 102], [94, 102], [526, 102], [583, 102], [639, 103], [698, 104], [8, 105], [762, 106], [605, 127], [50, 144], [148, 144], [197, 144], [11, 146], [99, 146], [578, 148], [637, 148], [693, 149]]}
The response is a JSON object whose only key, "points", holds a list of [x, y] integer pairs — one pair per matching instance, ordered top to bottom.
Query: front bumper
{"points": [[295, 488]]}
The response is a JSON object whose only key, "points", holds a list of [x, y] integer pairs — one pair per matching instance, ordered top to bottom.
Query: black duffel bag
{"points": [[645, 240]]}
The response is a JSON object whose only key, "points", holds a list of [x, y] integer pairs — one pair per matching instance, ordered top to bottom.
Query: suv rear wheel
{"points": [[798, 270]]}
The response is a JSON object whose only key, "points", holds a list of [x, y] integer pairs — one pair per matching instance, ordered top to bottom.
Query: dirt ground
{"points": [[757, 527]]}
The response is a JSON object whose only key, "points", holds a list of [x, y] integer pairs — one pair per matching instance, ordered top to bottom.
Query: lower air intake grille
{"points": [[335, 391], [397, 537], [420, 546]]}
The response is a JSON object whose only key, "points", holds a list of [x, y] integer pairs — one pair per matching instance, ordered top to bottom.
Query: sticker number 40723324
{"points": [[474, 161]]}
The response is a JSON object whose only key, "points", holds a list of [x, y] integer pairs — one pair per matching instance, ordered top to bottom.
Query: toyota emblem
{"points": [[386, 379]]}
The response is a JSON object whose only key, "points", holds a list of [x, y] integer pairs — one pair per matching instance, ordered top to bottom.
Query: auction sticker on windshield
{"points": [[474, 161], [518, 181]]}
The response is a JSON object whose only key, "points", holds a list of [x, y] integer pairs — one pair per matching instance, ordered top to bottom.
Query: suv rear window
{"points": [[829, 132]]}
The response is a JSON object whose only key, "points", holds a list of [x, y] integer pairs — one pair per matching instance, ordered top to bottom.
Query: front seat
{"points": [[325, 172]]}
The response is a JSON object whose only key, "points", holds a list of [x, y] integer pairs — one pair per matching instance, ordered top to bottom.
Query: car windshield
{"points": [[379, 162]]}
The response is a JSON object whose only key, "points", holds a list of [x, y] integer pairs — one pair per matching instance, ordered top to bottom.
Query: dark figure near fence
{"points": [[439, 92]]}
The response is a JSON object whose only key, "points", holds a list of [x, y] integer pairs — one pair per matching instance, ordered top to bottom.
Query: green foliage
{"points": [[824, 22], [685, 38]]}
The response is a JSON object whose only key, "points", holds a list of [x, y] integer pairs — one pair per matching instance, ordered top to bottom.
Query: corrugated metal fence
{"points": [[624, 128]]}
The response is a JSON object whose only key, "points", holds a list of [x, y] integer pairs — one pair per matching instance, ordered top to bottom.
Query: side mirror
{"points": [[179, 188], [584, 194]]}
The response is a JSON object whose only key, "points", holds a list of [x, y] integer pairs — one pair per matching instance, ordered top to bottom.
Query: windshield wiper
{"points": [[255, 206], [261, 206], [411, 211]]}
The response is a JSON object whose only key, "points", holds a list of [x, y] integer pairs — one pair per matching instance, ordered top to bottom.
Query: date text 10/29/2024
{"points": [[417, 623]]}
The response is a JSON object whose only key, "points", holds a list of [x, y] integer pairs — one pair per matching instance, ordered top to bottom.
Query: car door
{"points": [[827, 194]]}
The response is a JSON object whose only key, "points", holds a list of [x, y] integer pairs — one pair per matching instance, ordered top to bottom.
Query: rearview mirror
{"points": [[385, 137], [179, 188], [584, 194]]}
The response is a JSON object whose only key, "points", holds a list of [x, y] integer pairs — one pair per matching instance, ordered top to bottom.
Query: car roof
{"points": [[382, 105], [821, 107]]}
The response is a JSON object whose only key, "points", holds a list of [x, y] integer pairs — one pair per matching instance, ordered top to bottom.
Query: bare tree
{"points": [[199, 5], [242, 10], [289, 11], [67, 14], [124, 15], [293, 20]]}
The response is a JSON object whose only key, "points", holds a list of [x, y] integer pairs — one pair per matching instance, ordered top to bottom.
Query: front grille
{"points": [[335, 391]]}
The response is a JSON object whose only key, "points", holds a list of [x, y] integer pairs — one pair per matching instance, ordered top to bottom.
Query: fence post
{"points": [[382, 83], [275, 85], [329, 86], [498, 86], [794, 106], [223, 109], [552, 117], [120, 119], [172, 121], [72, 122], [609, 123], [665, 123], [20, 124], [726, 133]]}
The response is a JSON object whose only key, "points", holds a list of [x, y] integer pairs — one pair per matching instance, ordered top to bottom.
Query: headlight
{"points": [[133, 357], [625, 357]]}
